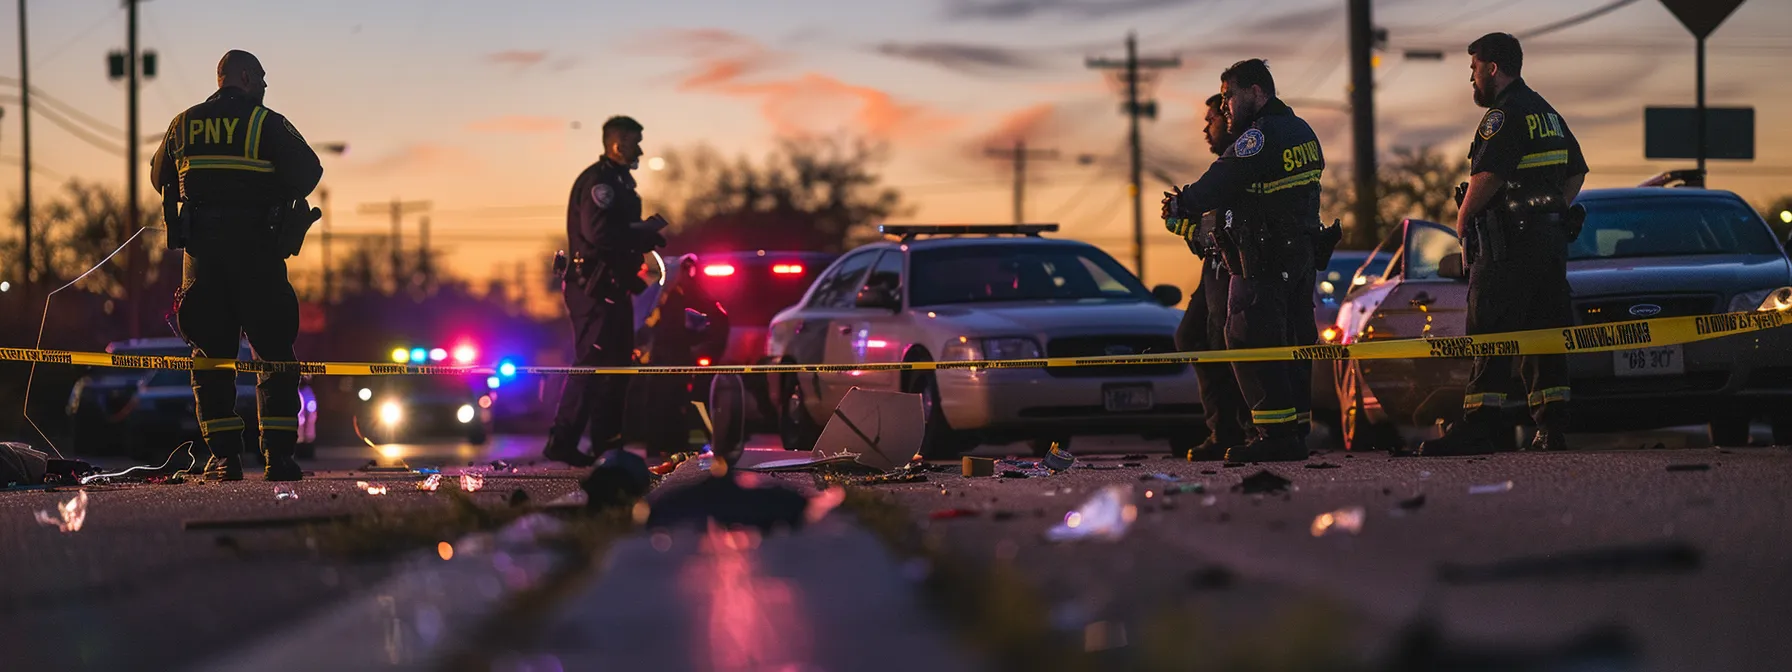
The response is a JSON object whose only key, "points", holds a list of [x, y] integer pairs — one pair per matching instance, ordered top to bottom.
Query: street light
{"points": [[1786, 216]]}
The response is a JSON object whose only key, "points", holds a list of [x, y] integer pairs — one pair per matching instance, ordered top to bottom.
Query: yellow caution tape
{"points": [[1572, 340]]}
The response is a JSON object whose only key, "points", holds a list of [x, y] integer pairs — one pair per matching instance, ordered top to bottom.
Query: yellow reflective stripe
{"points": [[253, 149], [1555, 157], [212, 162], [1293, 181], [1548, 395], [1473, 401], [1272, 417], [290, 423], [208, 427]]}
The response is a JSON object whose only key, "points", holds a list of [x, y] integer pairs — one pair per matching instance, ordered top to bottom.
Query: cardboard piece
{"points": [[873, 430]]}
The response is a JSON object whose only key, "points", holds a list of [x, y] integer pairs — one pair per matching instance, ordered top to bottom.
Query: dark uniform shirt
{"points": [[1524, 142], [230, 151], [1269, 176], [600, 209]]}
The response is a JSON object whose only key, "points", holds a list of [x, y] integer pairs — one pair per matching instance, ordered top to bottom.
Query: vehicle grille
{"points": [[1600, 311], [1099, 346]]}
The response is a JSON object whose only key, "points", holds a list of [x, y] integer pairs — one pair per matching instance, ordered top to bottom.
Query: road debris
{"points": [[1058, 459], [1321, 465], [978, 467], [1014, 473], [1160, 476], [471, 482], [1263, 482], [431, 483], [370, 488], [1490, 489], [285, 493], [1411, 503], [947, 514], [69, 516], [1104, 517], [1348, 519], [1654, 557]]}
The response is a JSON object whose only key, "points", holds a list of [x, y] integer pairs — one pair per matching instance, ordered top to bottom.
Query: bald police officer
{"points": [[1525, 170], [233, 176], [1268, 183]]}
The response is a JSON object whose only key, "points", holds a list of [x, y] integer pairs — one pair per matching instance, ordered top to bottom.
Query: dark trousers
{"points": [[234, 285], [1526, 289], [1267, 310], [1203, 327], [1305, 331], [603, 335]]}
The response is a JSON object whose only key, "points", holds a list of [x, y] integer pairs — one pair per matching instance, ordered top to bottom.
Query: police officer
{"points": [[242, 172], [1268, 183], [1516, 223], [606, 237], [1203, 325]]}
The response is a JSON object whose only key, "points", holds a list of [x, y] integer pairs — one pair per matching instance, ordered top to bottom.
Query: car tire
{"points": [[796, 430], [1728, 430], [1357, 432], [939, 441]]}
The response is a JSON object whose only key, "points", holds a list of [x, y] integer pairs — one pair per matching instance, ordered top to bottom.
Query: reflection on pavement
{"points": [[752, 621]]}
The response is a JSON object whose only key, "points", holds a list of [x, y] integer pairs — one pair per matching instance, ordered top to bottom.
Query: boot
{"points": [[1471, 436], [1548, 440], [1273, 443], [1214, 448], [568, 452], [224, 468], [282, 468]]}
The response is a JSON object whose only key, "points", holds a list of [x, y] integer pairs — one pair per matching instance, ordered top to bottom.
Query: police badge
{"points": [[1491, 123], [1248, 144], [601, 195]]}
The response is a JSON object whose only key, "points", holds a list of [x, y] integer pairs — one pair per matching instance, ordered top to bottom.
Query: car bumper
{"points": [[1029, 401]]}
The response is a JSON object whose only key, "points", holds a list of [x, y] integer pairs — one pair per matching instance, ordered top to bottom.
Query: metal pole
{"points": [[1362, 105], [1132, 113], [1700, 113], [25, 148], [1020, 181], [323, 195], [135, 218], [397, 246]]}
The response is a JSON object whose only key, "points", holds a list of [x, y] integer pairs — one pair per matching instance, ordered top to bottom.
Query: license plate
{"points": [[1663, 361], [1127, 397]]}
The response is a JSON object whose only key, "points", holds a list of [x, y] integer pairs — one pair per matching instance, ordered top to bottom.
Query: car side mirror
{"points": [[1451, 267], [1168, 295], [879, 297]]}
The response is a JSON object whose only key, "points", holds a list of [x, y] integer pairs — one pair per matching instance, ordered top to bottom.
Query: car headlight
{"points": [[1777, 298], [1013, 347], [391, 413], [464, 414]]}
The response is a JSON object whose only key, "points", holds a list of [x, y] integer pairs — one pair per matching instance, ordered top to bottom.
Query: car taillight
{"points": [[787, 269], [718, 270], [702, 361]]}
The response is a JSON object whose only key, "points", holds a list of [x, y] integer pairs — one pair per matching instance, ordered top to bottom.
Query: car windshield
{"points": [[1661, 227], [1018, 272]]}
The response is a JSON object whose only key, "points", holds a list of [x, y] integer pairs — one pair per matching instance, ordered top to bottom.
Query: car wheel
{"points": [[796, 430], [1729, 430], [1358, 432], [939, 440]]}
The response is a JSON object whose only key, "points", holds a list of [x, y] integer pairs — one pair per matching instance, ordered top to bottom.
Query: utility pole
{"points": [[1134, 108], [1362, 118], [25, 147], [1019, 154], [323, 197], [397, 209], [423, 251]]}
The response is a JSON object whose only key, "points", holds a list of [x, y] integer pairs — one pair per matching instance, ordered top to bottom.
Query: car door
{"points": [[1420, 304], [879, 332], [824, 334]]}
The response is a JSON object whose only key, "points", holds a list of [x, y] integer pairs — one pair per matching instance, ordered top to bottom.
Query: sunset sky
{"points": [[489, 110]]}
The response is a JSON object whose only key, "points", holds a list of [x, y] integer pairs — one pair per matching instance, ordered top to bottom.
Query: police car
{"points": [[1642, 253], [944, 293], [148, 413]]}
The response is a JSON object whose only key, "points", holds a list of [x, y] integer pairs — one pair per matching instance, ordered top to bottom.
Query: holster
{"points": [[177, 221], [291, 221], [1495, 234], [1325, 241], [1230, 254]]}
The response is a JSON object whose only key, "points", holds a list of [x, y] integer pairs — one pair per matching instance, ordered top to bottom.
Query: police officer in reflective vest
{"points": [[233, 176], [1268, 183], [1515, 222], [606, 238], [1203, 325]]}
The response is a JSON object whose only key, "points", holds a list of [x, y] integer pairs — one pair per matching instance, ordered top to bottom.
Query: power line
{"points": [[1575, 20], [77, 131]]}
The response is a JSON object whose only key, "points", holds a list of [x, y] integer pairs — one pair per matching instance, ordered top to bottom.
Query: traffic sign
{"points": [[1701, 16], [1672, 133]]}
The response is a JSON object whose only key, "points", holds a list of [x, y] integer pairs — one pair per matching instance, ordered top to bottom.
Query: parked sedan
{"points": [[1644, 252], [973, 293]]}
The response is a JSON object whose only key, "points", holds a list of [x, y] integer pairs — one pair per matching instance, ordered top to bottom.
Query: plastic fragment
{"points": [[1160, 476], [471, 482], [431, 483], [370, 489], [1490, 489], [283, 493], [69, 515], [1105, 517], [1348, 519]]}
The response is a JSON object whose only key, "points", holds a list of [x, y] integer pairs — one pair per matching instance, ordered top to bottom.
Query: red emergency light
{"points": [[787, 269], [718, 270], [702, 361]]}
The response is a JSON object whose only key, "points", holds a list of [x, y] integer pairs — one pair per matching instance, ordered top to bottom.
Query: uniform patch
{"points": [[1491, 123], [290, 129], [1248, 144], [602, 196]]}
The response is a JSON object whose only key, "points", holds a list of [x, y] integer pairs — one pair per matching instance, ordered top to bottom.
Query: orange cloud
{"points": [[517, 57], [733, 65], [518, 123], [1023, 124], [419, 158]]}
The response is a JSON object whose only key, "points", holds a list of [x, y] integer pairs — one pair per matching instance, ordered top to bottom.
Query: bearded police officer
{"points": [[233, 177], [1268, 183], [1516, 222], [606, 238], [1203, 325]]}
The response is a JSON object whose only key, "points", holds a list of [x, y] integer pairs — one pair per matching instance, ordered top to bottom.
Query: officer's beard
{"points": [[1483, 96]]}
